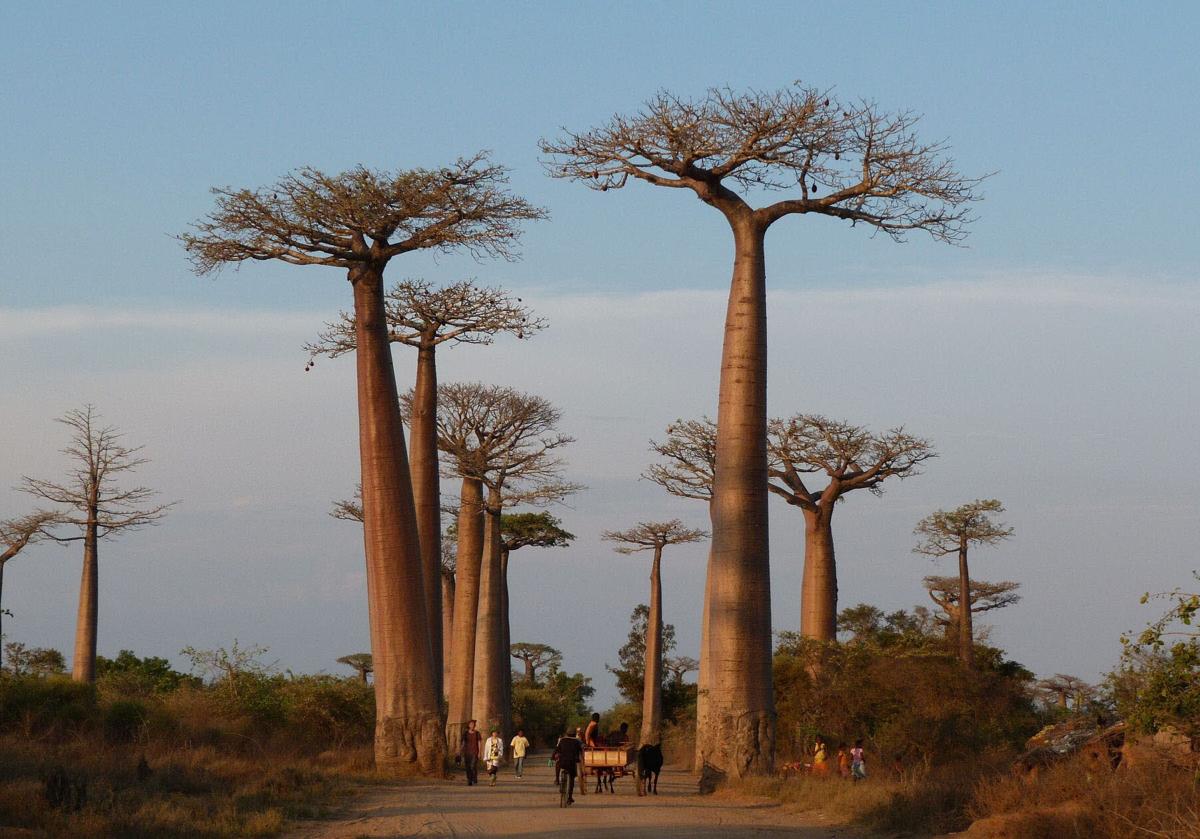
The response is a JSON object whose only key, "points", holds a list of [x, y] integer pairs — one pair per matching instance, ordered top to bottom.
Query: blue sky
{"points": [[1051, 360]]}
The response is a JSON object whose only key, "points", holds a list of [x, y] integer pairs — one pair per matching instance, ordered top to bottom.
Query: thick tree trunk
{"points": [[427, 495], [3, 562], [819, 593], [466, 608], [447, 625], [506, 628], [966, 632], [490, 659], [83, 665], [529, 671], [362, 675], [652, 687], [408, 724], [737, 732]]}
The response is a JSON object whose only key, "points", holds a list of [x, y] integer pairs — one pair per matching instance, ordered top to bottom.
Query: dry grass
{"points": [[199, 791], [1152, 799], [916, 802]]}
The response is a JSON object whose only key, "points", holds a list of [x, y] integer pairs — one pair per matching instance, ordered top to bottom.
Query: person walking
{"points": [[519, 746], [469, 750], [570, 752], [493, 753], [843, 761], [858, 763]]}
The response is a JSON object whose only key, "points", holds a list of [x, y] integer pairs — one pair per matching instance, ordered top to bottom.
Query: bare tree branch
{"points": [[847, 160], [362, 216], [420, 315], [689, 456], [90, 494], [648, 535]]}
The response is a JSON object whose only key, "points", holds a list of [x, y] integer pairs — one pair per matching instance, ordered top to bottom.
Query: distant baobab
{"points": [[93, 504], [952, 533]]}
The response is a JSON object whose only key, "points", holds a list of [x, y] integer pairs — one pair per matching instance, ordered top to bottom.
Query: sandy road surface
{"points": [[529, 808]]}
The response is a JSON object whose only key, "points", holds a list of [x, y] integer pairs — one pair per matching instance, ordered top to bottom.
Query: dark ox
{"points": [[649, 764]]}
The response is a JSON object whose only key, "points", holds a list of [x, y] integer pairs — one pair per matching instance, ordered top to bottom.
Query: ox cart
{"points": [[607, 763]]}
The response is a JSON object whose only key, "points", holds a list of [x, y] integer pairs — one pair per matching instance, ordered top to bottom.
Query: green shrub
{"points": [[36, 705], [124, 720]]}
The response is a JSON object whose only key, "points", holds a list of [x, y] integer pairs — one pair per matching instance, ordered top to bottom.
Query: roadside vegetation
{"points": [[148, 751]]}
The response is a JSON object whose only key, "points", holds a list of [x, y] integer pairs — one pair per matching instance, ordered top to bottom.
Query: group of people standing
{"points": [[473, 748], [851, 763]]}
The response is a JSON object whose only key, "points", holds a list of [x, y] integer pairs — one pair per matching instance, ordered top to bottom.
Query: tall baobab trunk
{"points": [[427, 495], [3, 562], [818, 594], [466, 608], [447, 624], [506, 631], [966, 634], [83, 665], [702, 671], [652, 687], [488, 691], [408, 725], [737, 732]]}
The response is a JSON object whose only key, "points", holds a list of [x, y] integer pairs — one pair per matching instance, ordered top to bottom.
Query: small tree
{"points": [[844, 160], [358, 222], [424, 317], [852, 458], [96, 506], [528, 530], [944, 533], [16, 534], [653, 536], [985, 597], [535, 657], [32, 661], [360, 663], [680, 666], [631, 674], [1158, 683]]}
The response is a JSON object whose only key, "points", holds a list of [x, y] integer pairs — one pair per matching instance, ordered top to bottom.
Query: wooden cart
{"points": [[608, 762]]}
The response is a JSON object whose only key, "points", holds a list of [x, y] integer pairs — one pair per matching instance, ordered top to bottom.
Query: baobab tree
{"points": [[849, 161], [358, 221], [424, 317], [505, 440], [851, 458], [94, 504], [528, 530], [954, 532], [16, 534], [653, 536], [448, 586], [985, 597], [534, 657], [360, 663], [680, 666], [1065, 689]]}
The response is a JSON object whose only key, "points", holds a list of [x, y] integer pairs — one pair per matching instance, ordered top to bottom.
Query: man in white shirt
{"points": [[519, 746]]}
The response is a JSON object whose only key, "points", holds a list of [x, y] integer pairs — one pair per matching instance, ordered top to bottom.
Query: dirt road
{"points": [[529, 808]]}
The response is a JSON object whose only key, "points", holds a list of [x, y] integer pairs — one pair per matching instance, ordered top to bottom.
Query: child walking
{"points": [[858, 764]]}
